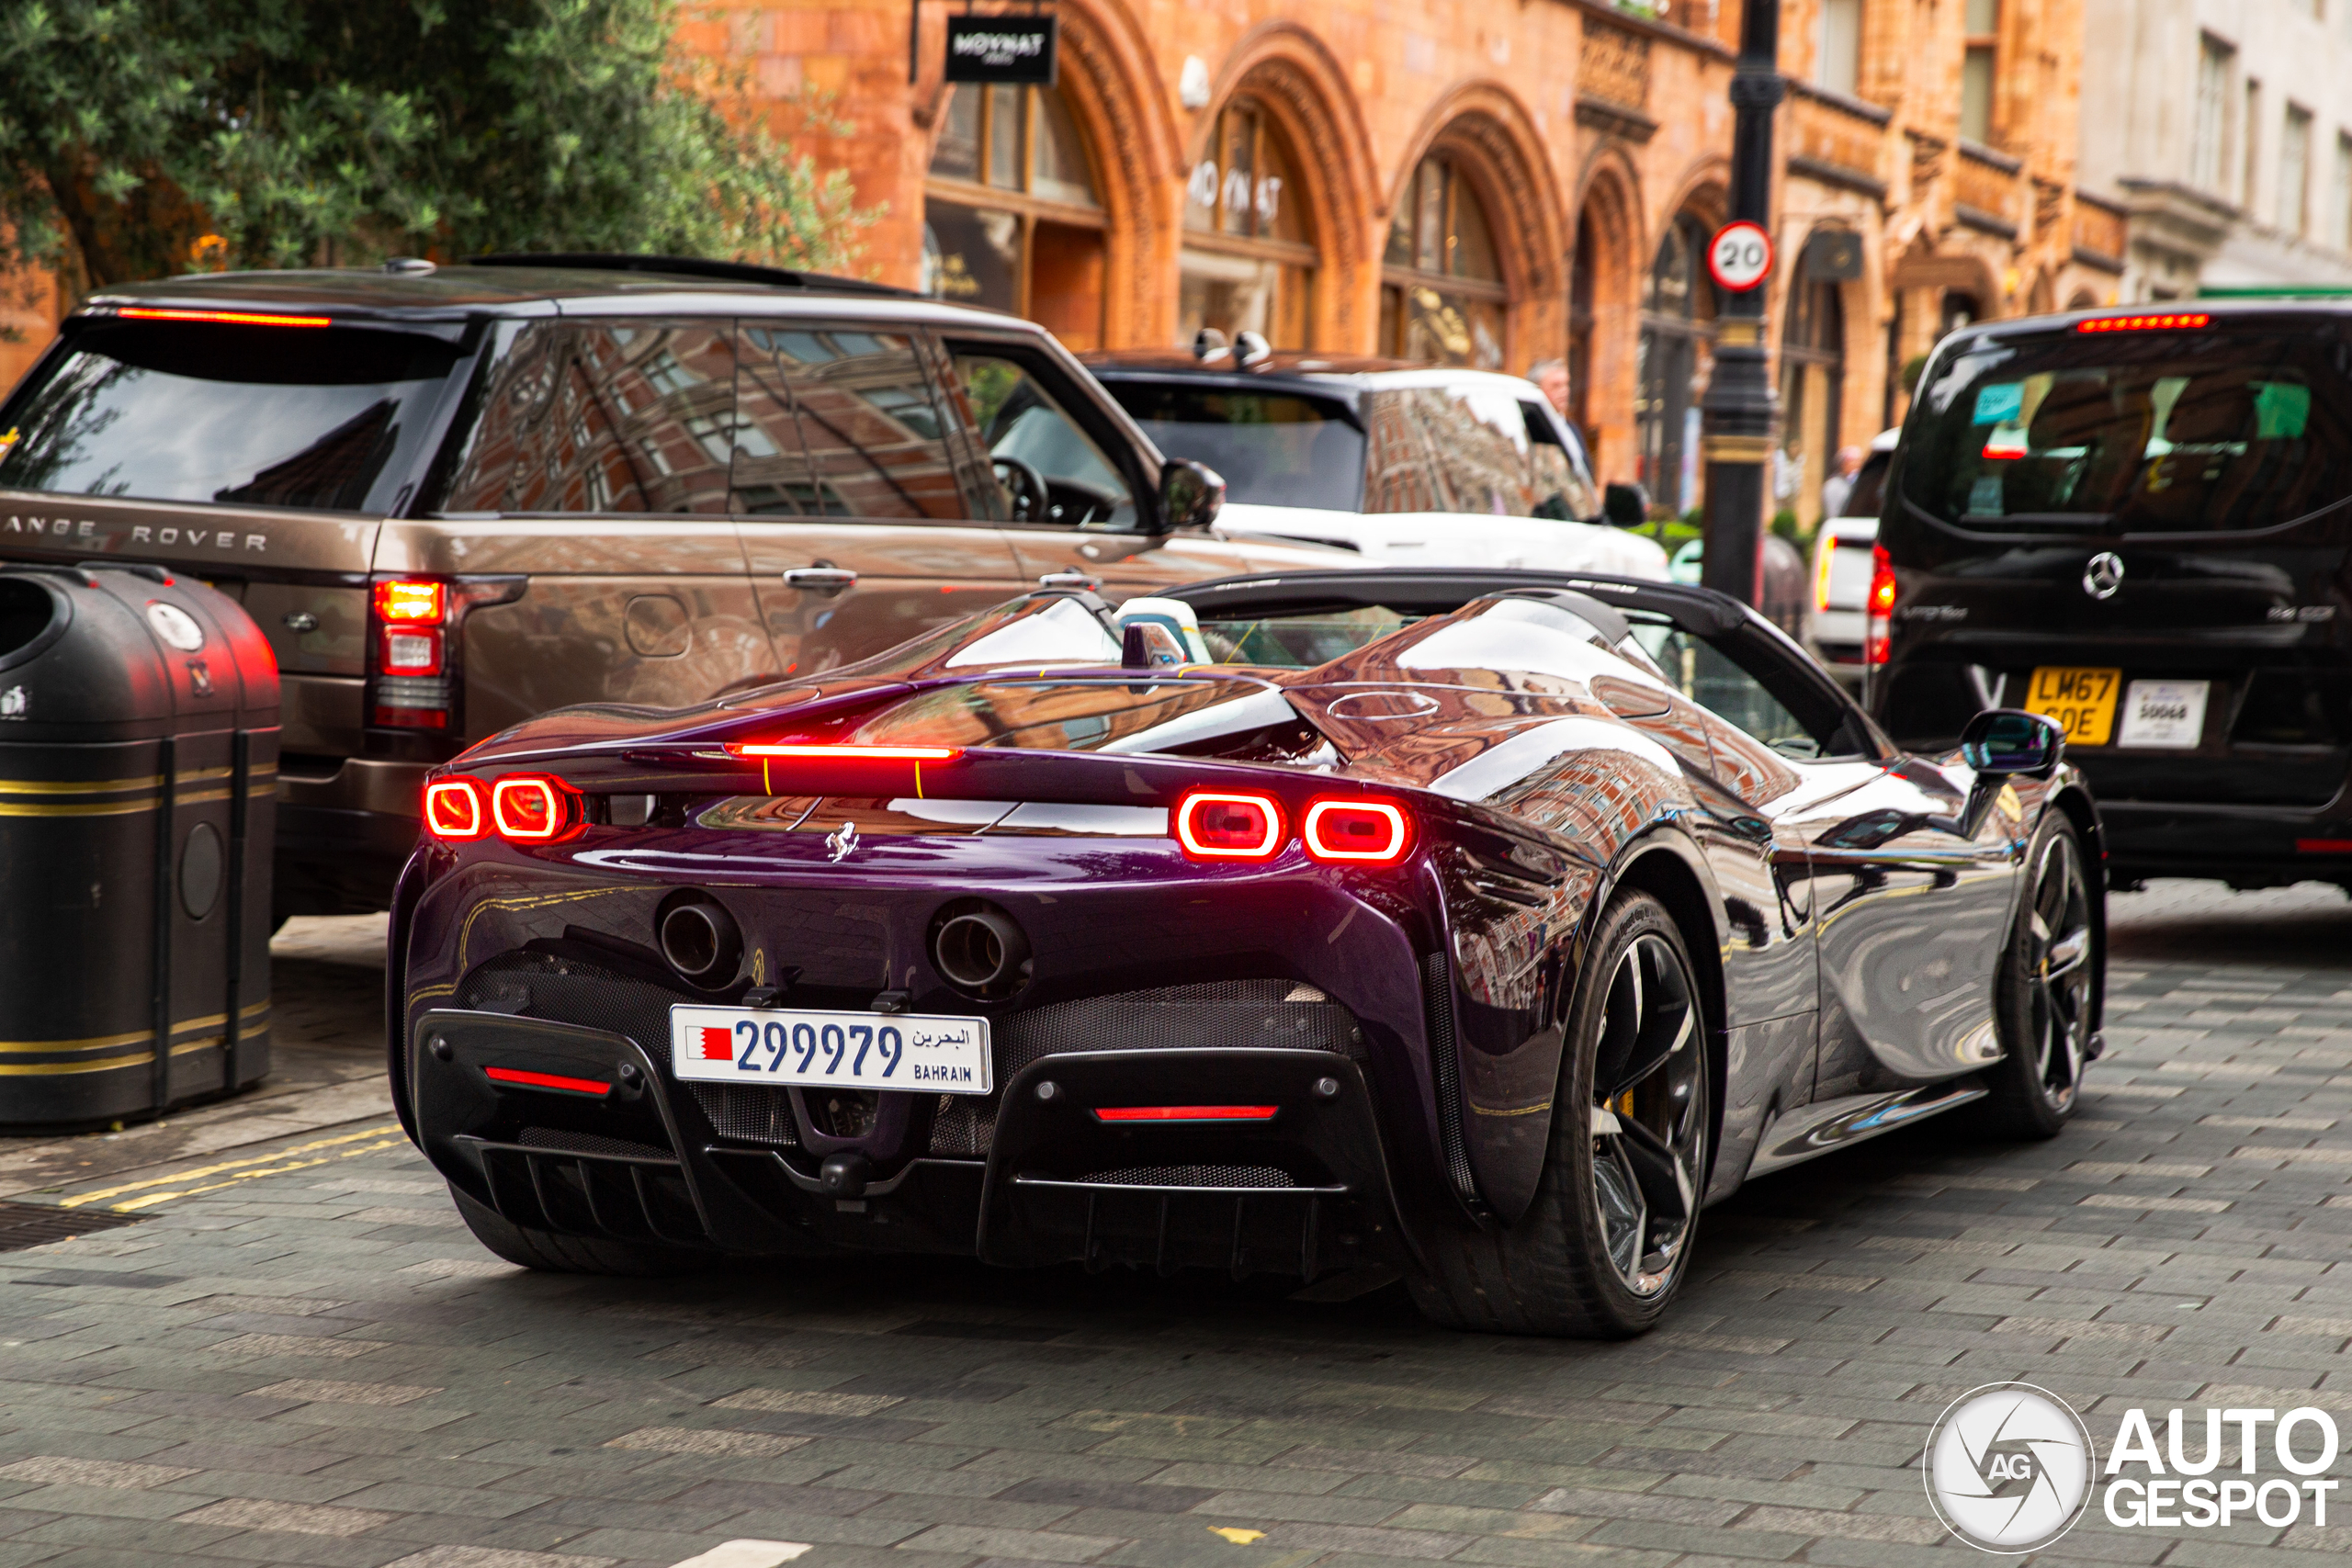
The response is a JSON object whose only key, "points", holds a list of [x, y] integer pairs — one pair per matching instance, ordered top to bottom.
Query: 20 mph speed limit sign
{"points": [[1739, 256]]}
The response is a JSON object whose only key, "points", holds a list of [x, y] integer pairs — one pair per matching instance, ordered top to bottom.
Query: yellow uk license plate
{"points": [[2082, 701]]}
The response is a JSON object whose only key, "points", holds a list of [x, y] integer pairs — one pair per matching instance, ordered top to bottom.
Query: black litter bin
{"points": [[138, 782]]}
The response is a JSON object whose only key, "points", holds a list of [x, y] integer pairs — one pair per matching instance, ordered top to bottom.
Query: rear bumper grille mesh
{"points": [[755, 1113]]}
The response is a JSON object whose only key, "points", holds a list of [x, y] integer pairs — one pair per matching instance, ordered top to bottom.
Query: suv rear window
{"points": [[327, 418], [2215, 430], [1271, 449]]}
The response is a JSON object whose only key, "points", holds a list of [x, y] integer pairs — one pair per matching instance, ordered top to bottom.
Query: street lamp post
{"points": [[1739, 409]]}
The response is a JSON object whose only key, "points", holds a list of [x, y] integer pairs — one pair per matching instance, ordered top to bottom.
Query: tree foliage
{"points": [[140, 136]]}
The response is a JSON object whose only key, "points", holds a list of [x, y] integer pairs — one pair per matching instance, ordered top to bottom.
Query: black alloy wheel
{"points": [[2046, 992], [1650, 1134], [1608, 1236]]}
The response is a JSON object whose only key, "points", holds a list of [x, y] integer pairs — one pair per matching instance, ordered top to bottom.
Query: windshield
{"points": [[329, 418], [2157, 431], [1271, 449]]}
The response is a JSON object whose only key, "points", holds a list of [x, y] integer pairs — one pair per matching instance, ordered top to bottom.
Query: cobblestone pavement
{"points": [[317, 1365]]}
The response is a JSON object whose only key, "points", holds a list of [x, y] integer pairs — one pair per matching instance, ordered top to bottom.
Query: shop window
{"points": [[1011, 218], [1248, 259], [1443, 295], [1673, 356]]}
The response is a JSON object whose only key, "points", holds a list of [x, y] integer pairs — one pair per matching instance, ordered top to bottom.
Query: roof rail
{"points": [[693, 267]]}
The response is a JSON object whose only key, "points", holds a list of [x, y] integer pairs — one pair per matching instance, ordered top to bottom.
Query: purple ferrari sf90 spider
{"points": [[1481, 925]]}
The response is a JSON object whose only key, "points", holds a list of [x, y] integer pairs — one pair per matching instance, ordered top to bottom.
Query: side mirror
{"points": [[1191, 494], [1627, 506], [2010, 743]]}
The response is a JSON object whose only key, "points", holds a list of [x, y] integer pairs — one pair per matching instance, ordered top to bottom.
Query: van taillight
{"points": [[1878, 629], [412, 688]]}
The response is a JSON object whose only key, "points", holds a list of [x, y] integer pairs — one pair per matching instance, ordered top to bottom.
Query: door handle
{"points": [[820, 579], [1070, 580]]}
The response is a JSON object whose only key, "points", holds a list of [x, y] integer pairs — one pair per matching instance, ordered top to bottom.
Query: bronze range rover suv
{"points": [[457, 498]]}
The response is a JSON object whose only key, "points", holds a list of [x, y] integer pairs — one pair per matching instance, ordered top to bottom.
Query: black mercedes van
{"points": [[2137, 523]]}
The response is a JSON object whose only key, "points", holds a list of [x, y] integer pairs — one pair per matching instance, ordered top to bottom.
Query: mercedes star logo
{"points": [[2103, 576], [842, 842], [2010, 1468]]}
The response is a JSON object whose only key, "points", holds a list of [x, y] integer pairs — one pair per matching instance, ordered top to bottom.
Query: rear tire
{"points": [[2043, 995], [1607, 1239], [554, 1254]]}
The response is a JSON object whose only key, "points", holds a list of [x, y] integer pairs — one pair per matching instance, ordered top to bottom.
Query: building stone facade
{"points": [[2226, 129], [1488, 182]]}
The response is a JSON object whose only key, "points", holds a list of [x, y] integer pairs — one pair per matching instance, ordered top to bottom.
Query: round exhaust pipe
{"points": [[699, 940], [980, 950]]}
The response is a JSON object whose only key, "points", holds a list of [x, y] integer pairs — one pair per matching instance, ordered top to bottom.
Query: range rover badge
{"points": [[2104, 576]]}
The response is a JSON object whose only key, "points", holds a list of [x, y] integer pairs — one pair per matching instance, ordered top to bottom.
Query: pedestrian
{"points": [[1552, 377], [1840, 482]]}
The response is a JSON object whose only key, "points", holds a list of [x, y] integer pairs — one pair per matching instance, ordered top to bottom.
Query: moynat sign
{"points": [[1001, 49]]}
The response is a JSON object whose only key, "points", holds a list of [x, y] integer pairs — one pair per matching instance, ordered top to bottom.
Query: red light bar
{"points": [[233, 318], [2170, 321], [845, 753], [453, 810], [1364, 831], [2324, 846], [547, 1080], [1187, 1113]]}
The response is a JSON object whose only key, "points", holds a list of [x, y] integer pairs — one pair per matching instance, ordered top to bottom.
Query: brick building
{"points": [[1495, 183], [1492, 184]]}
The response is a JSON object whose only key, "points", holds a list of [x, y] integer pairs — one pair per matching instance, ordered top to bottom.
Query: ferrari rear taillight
{"points": [[1878, 629], [522, 808], [533, 808], [453, 810], [1213, 825], [1359, 831]]}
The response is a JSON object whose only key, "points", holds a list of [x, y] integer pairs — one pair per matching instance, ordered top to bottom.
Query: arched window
{"points": [[1011, 218], [1248, 258], [1442, 291], [1677, 323], [1813, 381]]}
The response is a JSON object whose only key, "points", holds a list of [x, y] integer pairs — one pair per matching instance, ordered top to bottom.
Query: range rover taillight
{"points": [[1878, 629], [412, 688]]}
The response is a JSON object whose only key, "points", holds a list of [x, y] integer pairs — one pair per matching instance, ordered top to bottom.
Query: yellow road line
{"points": [[154, 1198], [77, 1201]]}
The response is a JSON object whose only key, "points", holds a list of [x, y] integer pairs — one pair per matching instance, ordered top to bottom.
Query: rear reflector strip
{"points": [[2324, 846], [547, 1080], [1187, 1113]]}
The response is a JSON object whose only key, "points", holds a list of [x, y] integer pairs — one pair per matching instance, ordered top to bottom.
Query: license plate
{"points": [[2082, 701], [2165, 713], [928, 1054]]}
